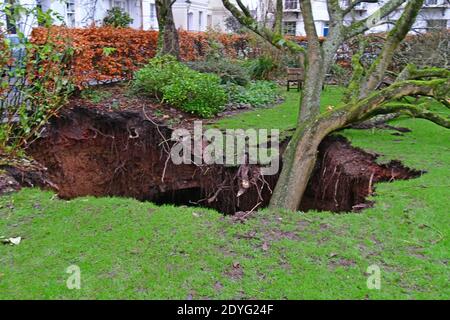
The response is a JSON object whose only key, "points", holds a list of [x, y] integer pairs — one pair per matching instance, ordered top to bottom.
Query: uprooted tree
{"points": [[168, 34], [363, 100]]}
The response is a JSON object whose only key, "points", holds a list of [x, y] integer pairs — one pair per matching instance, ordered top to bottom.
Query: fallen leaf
{"points": [[265, 246]]}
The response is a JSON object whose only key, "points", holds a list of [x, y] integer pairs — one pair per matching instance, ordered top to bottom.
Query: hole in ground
{"points": [[91, 152]]}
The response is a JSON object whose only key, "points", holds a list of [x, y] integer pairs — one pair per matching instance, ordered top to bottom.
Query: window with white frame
{"points": [[431, 2], [119, 4], [290, 4], [70, 13], [152, 13], [200, 20], [190, 21], [289, 27]]}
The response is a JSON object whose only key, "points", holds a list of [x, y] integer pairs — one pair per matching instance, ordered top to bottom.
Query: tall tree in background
{"points": [[168, 34], [363, 100]]}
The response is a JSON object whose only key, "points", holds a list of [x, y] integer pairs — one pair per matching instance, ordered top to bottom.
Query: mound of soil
{"points": [[90, 151]]}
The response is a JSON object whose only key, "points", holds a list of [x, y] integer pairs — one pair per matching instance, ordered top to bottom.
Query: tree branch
{"points": [[278, 23], [310, 26], [362, 26], [395, 36], [275, 39], [410, 72], [352, 90], [372, 105], [415, 111]]}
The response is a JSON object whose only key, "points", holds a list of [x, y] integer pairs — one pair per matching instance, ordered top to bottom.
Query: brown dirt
{"points": [[90, 151], [23, 173], [344, 176]]}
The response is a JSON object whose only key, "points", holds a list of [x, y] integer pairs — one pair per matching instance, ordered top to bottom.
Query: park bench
{"points": [[295, 75]]}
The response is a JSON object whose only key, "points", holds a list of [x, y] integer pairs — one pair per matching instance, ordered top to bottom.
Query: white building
{"points": [[434, 14], [192, 15], [199, 15]]}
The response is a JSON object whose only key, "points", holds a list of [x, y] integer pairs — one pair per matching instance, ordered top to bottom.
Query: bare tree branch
{"points": [[363, 25], [395, 36], [274, 38], [373, 105]]}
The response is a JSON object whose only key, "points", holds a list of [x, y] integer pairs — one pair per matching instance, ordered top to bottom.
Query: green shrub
{"points": [[117, 18], [262, 68], [227, 70], [158, 73], [175, 83], [199, 94], [257, 94]]}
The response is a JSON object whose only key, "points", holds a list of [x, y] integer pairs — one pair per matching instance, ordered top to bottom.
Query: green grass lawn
{"points": [[283, 117], [129, 249]]}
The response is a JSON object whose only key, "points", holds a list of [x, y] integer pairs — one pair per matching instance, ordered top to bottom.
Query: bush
{"points": [[117, 18], [262, 68], [227, 70], [158, 73], [173, 82], [199, 94], [257, 94]]}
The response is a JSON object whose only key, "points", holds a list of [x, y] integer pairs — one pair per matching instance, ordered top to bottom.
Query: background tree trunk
{"points": [[168, 34]]}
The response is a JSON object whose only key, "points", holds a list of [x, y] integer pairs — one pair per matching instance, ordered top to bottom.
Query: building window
{"points": [[431, 2], [119, 4], [290, 4], [152, 12], [70, 13], [200, 20], [190, 21], [209, 21], [436, 24], [289, 27], [325, 29]]}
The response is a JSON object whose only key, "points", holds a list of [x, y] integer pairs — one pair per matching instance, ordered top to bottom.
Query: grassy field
{"points": [[128, 249]]}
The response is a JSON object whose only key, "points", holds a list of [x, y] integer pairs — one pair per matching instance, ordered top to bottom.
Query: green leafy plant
{"points": [[116, 17], [262, 68], [227, 70], [158, 73], [35, 80], [175, 83], [257, 93], [199, 94]]}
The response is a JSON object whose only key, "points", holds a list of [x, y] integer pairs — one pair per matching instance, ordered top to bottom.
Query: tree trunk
{"points": [[168, 34], [299, 160]]}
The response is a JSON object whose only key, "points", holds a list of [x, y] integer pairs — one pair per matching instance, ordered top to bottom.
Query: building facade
{"points": [[435, 14], [192, 15], [199, 15]]}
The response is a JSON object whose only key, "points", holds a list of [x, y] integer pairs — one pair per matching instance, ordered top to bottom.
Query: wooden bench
{"points": [[295, 75]]}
